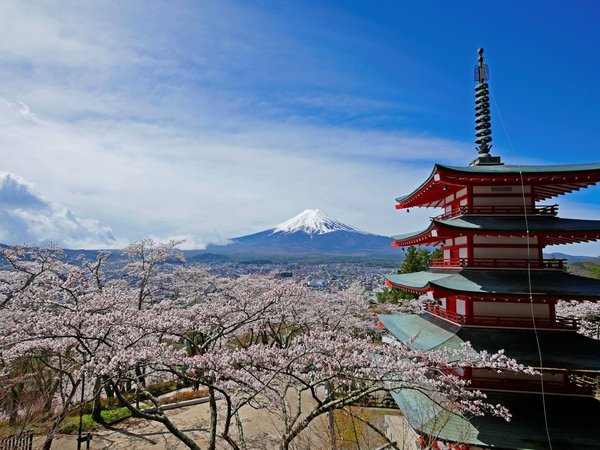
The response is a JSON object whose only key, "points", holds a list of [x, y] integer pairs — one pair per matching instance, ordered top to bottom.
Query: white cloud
{"points": [[19, 107], [182, 122], [145, 178], [26, 217]]}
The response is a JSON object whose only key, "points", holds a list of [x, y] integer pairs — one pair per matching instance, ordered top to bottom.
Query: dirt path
{"points": [[260, 430]]}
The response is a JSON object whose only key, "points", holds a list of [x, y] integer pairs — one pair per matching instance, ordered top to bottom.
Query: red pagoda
{"points": [[493, 287]]}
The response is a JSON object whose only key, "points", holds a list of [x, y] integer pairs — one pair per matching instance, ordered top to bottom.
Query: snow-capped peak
{"points": [[314, 221]]}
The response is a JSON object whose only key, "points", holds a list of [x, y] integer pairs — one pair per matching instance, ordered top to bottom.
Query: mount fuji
{"points": [[312, 233]]}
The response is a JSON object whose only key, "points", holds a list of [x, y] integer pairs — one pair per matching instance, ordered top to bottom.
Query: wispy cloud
{"points": [[144, 178]]}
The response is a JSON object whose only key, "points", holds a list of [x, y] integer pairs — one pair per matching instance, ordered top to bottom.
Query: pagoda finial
{"points": [[483, 127]]}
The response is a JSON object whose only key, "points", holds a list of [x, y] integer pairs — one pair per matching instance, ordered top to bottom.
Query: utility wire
{"points": [[528, 240]]}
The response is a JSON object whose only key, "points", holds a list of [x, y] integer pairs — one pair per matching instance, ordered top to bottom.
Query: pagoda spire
{"points": [[483, 126]]}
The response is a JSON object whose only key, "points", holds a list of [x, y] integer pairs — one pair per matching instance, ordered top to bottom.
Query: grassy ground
{"points": [[111, 413], [71, 423]]}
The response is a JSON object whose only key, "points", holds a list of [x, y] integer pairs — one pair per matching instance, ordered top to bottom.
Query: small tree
{"points": [[415, 260]]}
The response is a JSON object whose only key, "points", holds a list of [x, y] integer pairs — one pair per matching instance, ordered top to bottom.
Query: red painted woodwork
{"points": [[508, 210], [486, 263], [561, 323]]}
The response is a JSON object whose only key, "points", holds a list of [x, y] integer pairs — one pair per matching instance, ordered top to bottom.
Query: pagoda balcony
{"points": [[509, 210], [493, 263], [437, 310], [560, 323], [500, 384]]}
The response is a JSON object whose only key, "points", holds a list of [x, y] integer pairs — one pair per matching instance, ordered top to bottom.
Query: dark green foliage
{"points": [[436, 254], [417, 259], [593, 268], [589, 269], [394, 296]]}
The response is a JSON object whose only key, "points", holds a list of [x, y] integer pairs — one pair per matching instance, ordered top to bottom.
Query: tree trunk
{"points": [[140, 374], [109, 391], [14, 406], [97, 407], [159, 417], [59, 419], [240, 427], [212, 444]]}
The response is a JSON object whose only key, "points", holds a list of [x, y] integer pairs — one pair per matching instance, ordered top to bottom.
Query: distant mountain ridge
{"points": [[312, 232], [311, 236]]}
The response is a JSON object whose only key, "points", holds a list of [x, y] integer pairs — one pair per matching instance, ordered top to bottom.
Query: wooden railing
{"points": [[507, 210], [486, 263], [442, 312], [560, 323], [530, 385], [21, 441]]}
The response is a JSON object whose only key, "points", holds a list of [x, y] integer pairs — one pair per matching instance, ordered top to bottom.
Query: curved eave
{"points": [[535, 170], [549, 181], [416, 197], [439, 230], [586, 231], [429, 236], [417, 283], [499, 284]]}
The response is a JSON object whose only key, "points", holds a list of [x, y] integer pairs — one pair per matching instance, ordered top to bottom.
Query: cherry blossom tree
{"points": [[588, 314], [253, 341]]}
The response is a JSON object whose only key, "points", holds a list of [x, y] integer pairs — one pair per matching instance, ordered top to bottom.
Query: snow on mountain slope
{"points": [[314, 221], [312, 233]]}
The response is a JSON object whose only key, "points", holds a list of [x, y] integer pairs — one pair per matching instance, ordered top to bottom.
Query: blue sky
{"points": [[212, 119]]}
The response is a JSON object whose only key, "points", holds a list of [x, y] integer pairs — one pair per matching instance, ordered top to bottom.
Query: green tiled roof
{"points": [[505, 169], [515, 169], [507, 223], [535, 223], [405, 236], [419, 280], [508, 282], [426, 332], [560, 350], [427, 416], [572, 421]]}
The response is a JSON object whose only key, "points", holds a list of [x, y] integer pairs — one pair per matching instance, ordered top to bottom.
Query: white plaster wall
{"points": [[514, 189], [461, 193], [501, 201], [461, 240], [504, 240], [463, 252], [506, 253], [461, 307], [506, 309]]}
